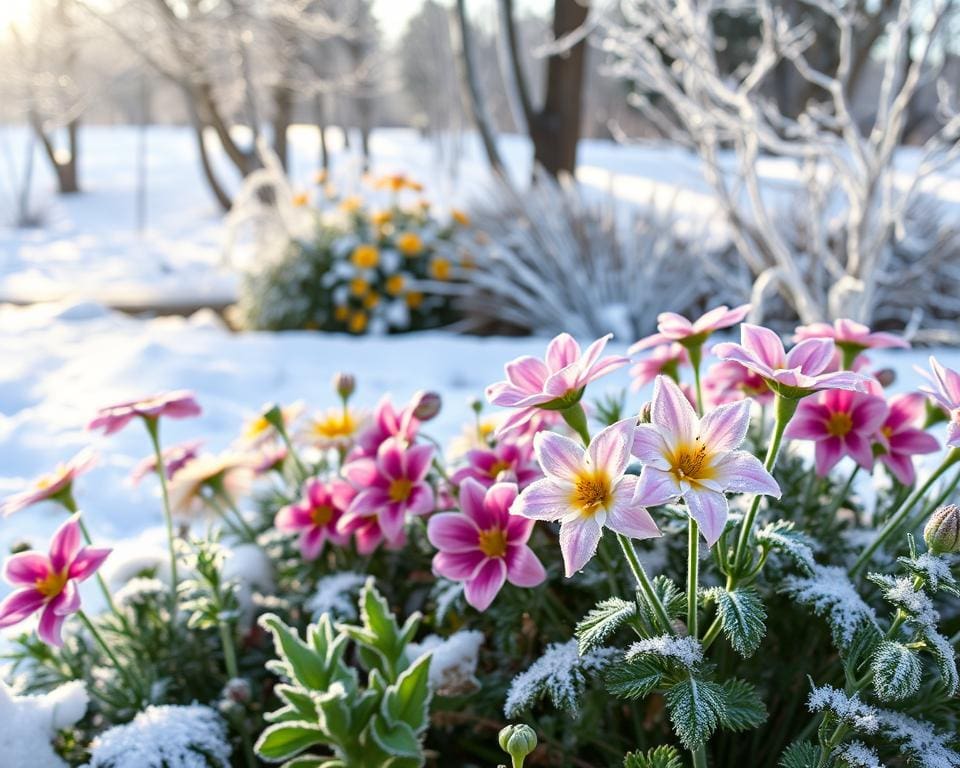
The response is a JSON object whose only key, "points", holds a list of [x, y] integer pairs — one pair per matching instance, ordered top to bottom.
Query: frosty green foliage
{"points": [[783, 537], [829, 592], [742, 617], [602, 621], [896, 671], [696, 708], [919, 740], [800, 754], [856, 754], [660, 757]]}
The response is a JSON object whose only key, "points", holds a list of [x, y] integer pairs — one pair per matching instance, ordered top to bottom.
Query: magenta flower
{"points": [[674, 327], [850, 335], [665, 359], [794, 374], [729, 382], [554, 383], [945, 390], [175, 405], [388, 422], [841, 423], [900, 438], [175, 458], [697, 460], [505, 462], [56, 484], [391, 486], [587, 490], [316, 515], [368, 534], [483, 545], [48, 583]]}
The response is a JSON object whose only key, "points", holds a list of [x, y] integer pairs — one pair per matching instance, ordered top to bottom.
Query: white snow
{"points": [[829, 592], [336, 594], [686, 650], [453, 661], [862, 717], [30, 724], [919, 740], [859, 755]]}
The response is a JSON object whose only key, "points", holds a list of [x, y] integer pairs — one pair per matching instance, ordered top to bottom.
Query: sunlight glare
{"points": [[15, 12]]}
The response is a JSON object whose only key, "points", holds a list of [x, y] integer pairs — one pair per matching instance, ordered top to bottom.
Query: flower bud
{"points": [[886, 377], [344, 384], [426, 405], [476, 405], [644, 416], [942, 532], [237, 690], [518, 741]]}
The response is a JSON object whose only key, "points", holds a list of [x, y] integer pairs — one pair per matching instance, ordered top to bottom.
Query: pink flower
{"points": [[674, 327], [849, 334], [666, 359], [793, 375], [729, 382], [553, 383], [945, 390], [175, 405], [388, 422], [842, 423], [900, 438], [175, 458], [269, 459], [697, 460], [505, 462], [52, 485], [391, 486], [586, 490], [316, 515], [368, 533], [483, 545], [48, 582]]}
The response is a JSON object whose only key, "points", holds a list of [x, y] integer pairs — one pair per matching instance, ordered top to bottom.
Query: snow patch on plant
{"points": [[829, 592], [336, 594], [685, 650], [850, 709], [30, 723]]}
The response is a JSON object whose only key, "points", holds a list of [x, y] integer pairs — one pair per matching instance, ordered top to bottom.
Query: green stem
{"points": [[696, 355], [576, 417], [153, 429], [221, 492], [838, 501], [925, 512], [893, 523], [693, 565], [643, 581], [233, 672], [124, 673], [699, 756]]}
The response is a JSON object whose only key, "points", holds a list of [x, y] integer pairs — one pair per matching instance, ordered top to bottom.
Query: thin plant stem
{"points": [[696, 356], [576, 417], [153, 429], [220, 491], [838, 501], [925, 512], [693, 577], [643, 581], [122, 670], [233, 672], [699, 756]]}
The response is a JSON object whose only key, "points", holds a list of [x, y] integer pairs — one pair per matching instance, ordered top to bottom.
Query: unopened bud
{"points": [[886, 377], [344, 384], [426, 405], [476, 405], [644, 416], [942, 531], [238, 690], [518, 741]]}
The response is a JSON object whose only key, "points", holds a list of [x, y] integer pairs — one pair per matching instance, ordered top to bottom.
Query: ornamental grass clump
{"points": [[755, 567]]}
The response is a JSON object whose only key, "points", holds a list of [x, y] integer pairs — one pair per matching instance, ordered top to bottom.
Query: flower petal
{"points": [[763, 344], [811, 356], [672, 413], [725, 427], [649, 446], [610, 448], [559, 456], [742, 472], [656, 487], [545, 499], [709, 509], [628, 517], [453, 532], [579, 538], [65, 543], [87, 561], [458, 566], [27, 568], [524, 569], [480, 590], [18, 605], [50, 627]]}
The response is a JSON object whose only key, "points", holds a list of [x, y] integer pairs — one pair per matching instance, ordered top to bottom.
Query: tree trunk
{"points": [[282, 115], [208, 172]]}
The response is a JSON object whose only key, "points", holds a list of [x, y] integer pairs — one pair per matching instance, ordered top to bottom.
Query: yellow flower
{"points": [[321, 177], [397, 182], [330, 190], [300, 199], [351, 204], [460, 217], [381, 218], [409, 243], [365, 256], [440, 269], [395, 284], [359, 286], [414, 299], [371, 300], [341, 313], [357, 322], [336, 427], [258, 429]]}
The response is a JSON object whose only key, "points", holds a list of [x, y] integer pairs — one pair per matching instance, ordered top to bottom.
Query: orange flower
{"points": [[397, 182], [300, 199], [351, 204], [460, 217], [381, 218], [409, 243], [365, 256], [440, 269], [395, 284], [359, 286], [414, 299], [371, 300], [341, 313], [358, 322]]}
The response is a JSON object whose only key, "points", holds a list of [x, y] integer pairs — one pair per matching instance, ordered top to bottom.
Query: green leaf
{"points": [[783, 537], [673, 598], [742, 617], [602, 621], [946, 658], [301, 662], [896, 671], [636, 678], [408, 700], [301, 701], [695, 708], [743, 708], [334, 714], [284, 740], [397, 740], [800, 754], [660, 757], [312, 761]]}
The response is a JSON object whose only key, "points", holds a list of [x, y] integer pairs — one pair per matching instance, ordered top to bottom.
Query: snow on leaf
{"points": [[783, 537], [934, 569], [830, 593], [336, 594], [742, 617], [602, 621], [685, 650], [896, 671], [695, 708], [850, 709], [30, 723], [918, 740], [859, 755]]}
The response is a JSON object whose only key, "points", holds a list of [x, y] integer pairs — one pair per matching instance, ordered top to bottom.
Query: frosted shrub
{"points": [[690, 581]]}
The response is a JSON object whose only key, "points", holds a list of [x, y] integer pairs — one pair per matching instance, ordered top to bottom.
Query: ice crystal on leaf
{"points": [[783, 537], [934, 569], [830, 593], [685, 650], [453, 661], [560, 674], [850, 709], [165, 737], [918, 740], [859, 755]]}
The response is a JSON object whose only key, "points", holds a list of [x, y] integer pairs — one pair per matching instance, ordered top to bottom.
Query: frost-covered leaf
{"points": [[783, 537], [934, 570], [830, 593], [336, 595], [673, 598], [742, 617], [602, 621], [685, 651], [298, 660], [896, 671], [559, 674], [635, 678], [408, 699], [695, 707], [742, 707], [848, 709], [397, 739], [919, 740], [282, 741], [800, 754], [856, 754], [659, 757]]}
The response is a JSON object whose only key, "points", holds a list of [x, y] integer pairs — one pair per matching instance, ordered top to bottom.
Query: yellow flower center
{"points": [[409, 244], [365, 256], [440, 269], [395, 284], [414, 300], [357, 322], [335, 424], [839, 424], [256, 427], [887, 432], [692, 462], [498, 467], [400, 489], [592, 492], [322, 515], [493, 542], [52, 585]]}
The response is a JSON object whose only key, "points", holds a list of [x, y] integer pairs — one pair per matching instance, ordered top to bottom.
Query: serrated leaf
{"points": [[783, 537], [742, 617], [605, 618], [945, 656], [301, 662], [896, 671], [636, 678], [408, 699], [299, 700], [695, 707], [742, 707], [334, 714], [398, 739], [284, 740], [800, 754], [659, 757]]}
